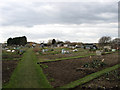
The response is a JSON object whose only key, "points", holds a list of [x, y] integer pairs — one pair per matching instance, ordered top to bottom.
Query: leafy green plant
{"points": [[40, 53], [94, 64], [86, 65]]}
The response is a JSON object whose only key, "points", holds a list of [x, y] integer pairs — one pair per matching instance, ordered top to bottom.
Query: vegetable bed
{"points": [[63, 72]]}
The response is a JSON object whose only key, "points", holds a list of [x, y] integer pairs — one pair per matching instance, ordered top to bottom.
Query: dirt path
{"points": [[28, 74]]}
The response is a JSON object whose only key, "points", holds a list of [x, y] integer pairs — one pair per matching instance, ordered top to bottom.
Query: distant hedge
{"points": [[17, 41]]}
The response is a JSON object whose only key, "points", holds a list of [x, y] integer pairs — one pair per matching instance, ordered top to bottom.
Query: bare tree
{"points": [[105, 40], [49, 42], [67, 42], [115, 42]]}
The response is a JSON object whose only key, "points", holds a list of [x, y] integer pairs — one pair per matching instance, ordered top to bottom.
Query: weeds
{"points": [[94, 64], [43, 66], [51, 79]]}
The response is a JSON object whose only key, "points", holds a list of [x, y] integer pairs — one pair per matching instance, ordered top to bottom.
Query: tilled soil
{"points": [[8, 67], [66, 71], [108, 81]]}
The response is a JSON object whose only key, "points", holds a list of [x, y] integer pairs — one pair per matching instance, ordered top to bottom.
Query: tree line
{"points": [[107, 40], [17, 41], [103, 41]]}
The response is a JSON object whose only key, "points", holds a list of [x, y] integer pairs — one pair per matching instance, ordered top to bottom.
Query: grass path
{"points": [[28, 74]]}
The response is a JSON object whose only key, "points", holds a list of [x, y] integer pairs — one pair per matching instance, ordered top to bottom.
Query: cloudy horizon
{"points": [[67, 21]]}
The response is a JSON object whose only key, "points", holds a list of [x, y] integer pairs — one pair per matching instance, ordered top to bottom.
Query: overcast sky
{"points": [[74, 21]]}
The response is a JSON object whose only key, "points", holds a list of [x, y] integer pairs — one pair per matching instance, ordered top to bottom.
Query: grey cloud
{"points": [[18, 14], [90, 20]]}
